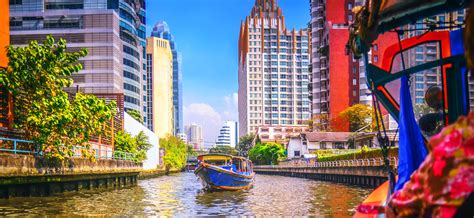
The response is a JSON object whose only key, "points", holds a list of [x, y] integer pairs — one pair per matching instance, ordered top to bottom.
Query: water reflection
{"points": [[182, 195]]}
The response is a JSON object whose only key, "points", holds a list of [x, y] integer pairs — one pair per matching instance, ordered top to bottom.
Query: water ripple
{"points": [[181, 195]]}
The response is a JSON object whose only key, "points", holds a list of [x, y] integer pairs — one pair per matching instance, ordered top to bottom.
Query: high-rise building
{"points": [[162, 30], [113, 31], [273, 70], [335, 74], [160, 86], [194, 133], [228, 134], [183, 137]]}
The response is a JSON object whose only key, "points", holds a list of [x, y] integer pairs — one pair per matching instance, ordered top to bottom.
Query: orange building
{"points": [[4, 32], [6, 115]]}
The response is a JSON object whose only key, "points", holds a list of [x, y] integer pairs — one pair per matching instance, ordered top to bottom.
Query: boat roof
{"points": [[215, 154], [220, 156], [214, 157]]}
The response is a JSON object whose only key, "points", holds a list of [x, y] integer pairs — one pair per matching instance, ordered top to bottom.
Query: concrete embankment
{"points": [[149, 174], [27, 175], [365, 176]]}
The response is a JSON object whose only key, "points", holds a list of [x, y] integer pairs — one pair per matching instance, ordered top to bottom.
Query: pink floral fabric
{"points": [[446, 177]]}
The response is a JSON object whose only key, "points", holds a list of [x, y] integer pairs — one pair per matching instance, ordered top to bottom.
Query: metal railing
{"points": [[18, 146], [341, 163]]}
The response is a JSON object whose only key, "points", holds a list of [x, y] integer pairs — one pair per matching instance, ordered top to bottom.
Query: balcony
{"points": [[324, 67]]}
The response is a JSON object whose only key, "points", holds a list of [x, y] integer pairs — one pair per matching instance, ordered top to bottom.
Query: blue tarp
{"points": [[457, 48], [412, 150]]}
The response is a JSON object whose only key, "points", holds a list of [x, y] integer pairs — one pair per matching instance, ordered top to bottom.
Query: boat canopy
{"points": [[380, 16], [214, 157]]}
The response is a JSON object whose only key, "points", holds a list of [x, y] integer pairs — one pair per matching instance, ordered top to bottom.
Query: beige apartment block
{"points": [[160, 85]]}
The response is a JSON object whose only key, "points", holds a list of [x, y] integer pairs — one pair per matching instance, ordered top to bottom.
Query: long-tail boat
{"points": [[225, 172]]}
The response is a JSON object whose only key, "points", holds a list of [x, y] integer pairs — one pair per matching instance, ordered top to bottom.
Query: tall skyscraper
{"points": [[162, 30], [113, 31], [273, 70], [335, 74], [160, 86], [194, 133], [228, 134]]}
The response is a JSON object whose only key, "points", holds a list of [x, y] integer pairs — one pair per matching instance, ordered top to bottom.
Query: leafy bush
{"points": [[135, 115], [245, 144], [136, 145], [176, 152], [267, 153], [364, 153]]}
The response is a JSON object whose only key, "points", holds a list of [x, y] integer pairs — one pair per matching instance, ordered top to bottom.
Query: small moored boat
{"points": [[225, 172]]}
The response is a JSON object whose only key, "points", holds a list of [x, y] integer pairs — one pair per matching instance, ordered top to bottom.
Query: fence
{"points": [[17, 146], [393, 161]]}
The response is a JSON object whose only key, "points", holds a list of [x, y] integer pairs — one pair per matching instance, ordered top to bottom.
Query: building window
{"points": [[16, 2], [376, 47], [376, 58], [323, 145], [339, 145], [297, 153]]}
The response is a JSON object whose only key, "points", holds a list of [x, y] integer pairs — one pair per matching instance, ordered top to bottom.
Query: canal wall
{"points": [[360, 172], [149, 174], [27, 175], [364, 176]]}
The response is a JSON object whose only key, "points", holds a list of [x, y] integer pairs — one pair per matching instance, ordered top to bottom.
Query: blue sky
{"points": [[207, 32]]}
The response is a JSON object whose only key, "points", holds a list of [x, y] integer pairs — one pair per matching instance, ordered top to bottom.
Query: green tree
{"points": [[36, 77], [135, 115], [358, 116], [321, 123], [124, 142], [245, 144], [136, 145], [143, 145], [224, 150], [190, 151], [175, 152], [267, 153]]}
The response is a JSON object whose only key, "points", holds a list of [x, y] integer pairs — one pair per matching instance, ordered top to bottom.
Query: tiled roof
{"points": [[328, 136]]}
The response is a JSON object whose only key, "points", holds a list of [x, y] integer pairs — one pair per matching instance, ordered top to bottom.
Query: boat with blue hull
{"points": [[225, 172]]}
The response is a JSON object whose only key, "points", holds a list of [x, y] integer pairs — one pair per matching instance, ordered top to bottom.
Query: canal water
{"points": [[182, 195]]}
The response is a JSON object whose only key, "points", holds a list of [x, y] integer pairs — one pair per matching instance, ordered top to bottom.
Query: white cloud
{"points": [[230, 111], [204, 115], [209, 118]]}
